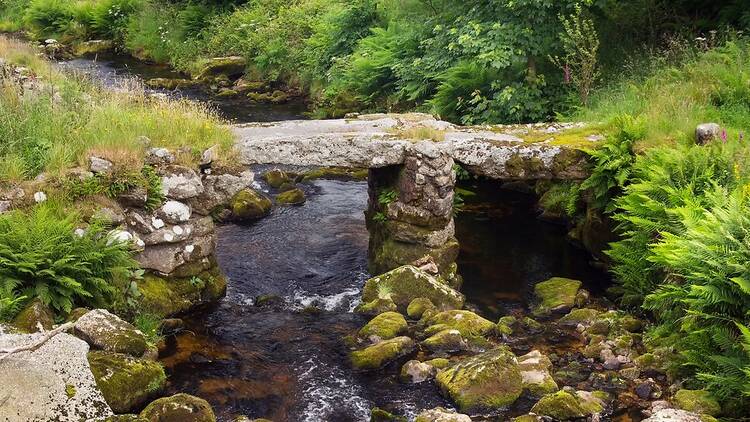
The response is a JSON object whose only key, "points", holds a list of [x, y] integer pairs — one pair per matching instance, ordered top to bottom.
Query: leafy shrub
{"points": [[50, 16], [117, 183], [42, 256]]}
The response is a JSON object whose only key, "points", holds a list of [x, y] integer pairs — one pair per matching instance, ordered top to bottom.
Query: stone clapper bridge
{"points": [[411, 178]]}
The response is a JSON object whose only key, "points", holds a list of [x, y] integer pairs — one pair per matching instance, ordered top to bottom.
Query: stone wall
{"points": [[410, 212]]}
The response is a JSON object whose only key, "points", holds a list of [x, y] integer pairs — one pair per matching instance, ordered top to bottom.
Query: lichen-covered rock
{"points": [[229, 66], [276, 177], [180, 182], [295, 196], [248, 204], [174, 212], [407, 283], [555, 294], [376, 306], [417, 307], [36, 316], [585, 316], [467, 323], [384, 326], [106, 331], [447, 340], [382, 353], [535, 368], [415, 372], [126, 382], [485, 382], [697, 401], [564, 405], [179, 408], [440, 414], [674, 415]]}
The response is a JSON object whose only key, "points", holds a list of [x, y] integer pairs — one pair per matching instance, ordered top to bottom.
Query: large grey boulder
{"points": [[707, 132], [180, 183], [219, 190], [106, 331], [53, 382]]}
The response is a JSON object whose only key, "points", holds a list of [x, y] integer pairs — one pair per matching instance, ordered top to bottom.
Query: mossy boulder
{"points": [[87, 48], [219, 67], [276, 177], [295, 196], [248, 204], [390, 253], [407, 283], [555, 294], [168, 296], [376, 306], [418, 306], [36, 316], [585, 316], [467, 323], [385, 326], [106, 331], [447, 340], [382, 353], [439, 363], [535, 368], [484, 382], [126, 383], [698, 401], [564, 405], [179, 408], [440, 414], [381, 415], [527, 418]]}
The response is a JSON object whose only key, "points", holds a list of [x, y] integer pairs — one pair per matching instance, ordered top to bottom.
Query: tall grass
{"points": [[69, 118]]}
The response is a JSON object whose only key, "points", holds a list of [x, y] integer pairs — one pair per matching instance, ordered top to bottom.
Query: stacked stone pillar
{"points": [[410, 211]]}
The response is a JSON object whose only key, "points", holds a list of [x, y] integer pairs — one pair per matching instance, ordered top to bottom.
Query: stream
{"points": [[274, 346]]}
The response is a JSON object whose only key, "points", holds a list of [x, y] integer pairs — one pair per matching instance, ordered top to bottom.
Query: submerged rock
{"points": [[276, 177], [293, 196], [248, 204], [407, 283], [555, 294], [36, 316], [585, 316], [467, 323], [384, 326], [106, 331], [381, 353], [535, 368], [126, 382], [485, 382], [698, 401], [564, 405], [179, 408], [440, 414], [381, 415]]}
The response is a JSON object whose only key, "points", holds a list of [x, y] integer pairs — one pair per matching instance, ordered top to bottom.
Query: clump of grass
{"points": [[69, 118], [420, 133], [150, 326]]}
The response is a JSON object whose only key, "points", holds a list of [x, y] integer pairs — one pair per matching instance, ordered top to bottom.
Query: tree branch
{"points": [[33, 346]]}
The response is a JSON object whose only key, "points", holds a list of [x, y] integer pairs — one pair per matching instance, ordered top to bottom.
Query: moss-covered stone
{"points": [[87, 48], [218, 67], [170, 83], [336, 173], [276, 177], [295, 196], [248, 204], [389, 254], [407, 283], [555, 294], [163, 296], [376, 306], [416, 307], [36, 316], [584, 316], [467, 323], [532, 324], [385, 326], [503, 329], [106, 331], [446, 340], [381, 353], [439, 363], [535, 368], [126, 382], [485, 382], [698, 401], [564, 406], [179, 408], [380, 415], [527, 418]]}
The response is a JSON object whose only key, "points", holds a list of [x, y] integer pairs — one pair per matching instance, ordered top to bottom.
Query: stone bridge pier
{"points": [[411, 180]]}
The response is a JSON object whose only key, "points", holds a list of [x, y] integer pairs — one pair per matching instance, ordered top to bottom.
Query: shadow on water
{"points": [[114, 71], [285, 359]]}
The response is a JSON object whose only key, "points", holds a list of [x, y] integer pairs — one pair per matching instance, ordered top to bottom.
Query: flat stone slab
{"points": [[379, 140], [53, 382]]}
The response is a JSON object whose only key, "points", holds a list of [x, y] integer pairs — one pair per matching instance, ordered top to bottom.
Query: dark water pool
{"points": [[116, 71], [285, 358]]}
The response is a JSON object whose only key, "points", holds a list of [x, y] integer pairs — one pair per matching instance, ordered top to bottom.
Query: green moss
{"points": [[220, 68], [573, 138], [336, 173], [276, 177], [291, 197], [248, 204], [391, 253], [407, 283], [555, 294], [170, 296], [376, 306], [417, 307], [36, 314], [580, 316], [467, 323], [385, 326], [445, 340], [381, 353], [438, 363], [126, 382], [485, 382], [70, 390], [698, 401], [563, 406], [179, 408], [380, 415], [527, 418]]}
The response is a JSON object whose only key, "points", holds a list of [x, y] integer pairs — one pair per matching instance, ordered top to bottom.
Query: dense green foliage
{"points": [[42, 256]]}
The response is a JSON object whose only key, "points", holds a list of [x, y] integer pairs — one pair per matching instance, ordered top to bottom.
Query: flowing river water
{"points": [[274, 346]]}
